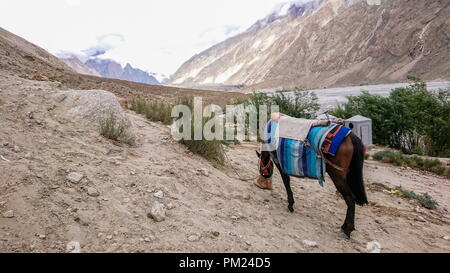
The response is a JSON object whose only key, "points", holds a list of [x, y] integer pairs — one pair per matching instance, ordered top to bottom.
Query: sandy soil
{"points": [[40, 145]]}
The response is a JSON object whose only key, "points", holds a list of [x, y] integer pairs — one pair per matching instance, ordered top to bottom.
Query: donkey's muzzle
{"points": [[264, 183]]}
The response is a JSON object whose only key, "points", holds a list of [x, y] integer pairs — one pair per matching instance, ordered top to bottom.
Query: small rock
{"points": [[16, 149], [203, 171], [74, 177], [92, 192], [159, 194], [247, 196], [170, 206], [157, 212], [8, 214], [420, 219], [378, 221], [216, 233], [42, 236], [109, 237], [149, 238], [193, 238], [447, 238], [248, 243], [310, 243], [73, 247], [373, 247]]}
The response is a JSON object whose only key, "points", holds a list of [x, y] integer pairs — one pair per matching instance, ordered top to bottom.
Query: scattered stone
{"points": [[16, 149], [203, 171], [74, 177], [92, 192], [159, 194], [247, 196], [2, 203], [170, 206], [157, 212], [8, 214], [420, 219], [378, 221], [216, 233], [232, 234], [42, 236], [109, 237], [149, 238], [193, 238], [447, 238], [248, 243], [310, 243], [73, 247], [373, 247]]}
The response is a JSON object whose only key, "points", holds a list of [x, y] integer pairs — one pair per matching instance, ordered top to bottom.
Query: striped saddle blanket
{"points": [[304, 158]]}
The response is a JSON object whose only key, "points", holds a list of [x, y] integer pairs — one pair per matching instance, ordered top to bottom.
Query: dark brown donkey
{"points": [[346, 171]]}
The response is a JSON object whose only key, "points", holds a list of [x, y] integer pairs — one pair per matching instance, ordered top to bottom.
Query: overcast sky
{"points": [[154, 35]]}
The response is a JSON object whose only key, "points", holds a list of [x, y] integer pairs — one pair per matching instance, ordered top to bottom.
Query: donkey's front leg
{"points": [[287, 184]]}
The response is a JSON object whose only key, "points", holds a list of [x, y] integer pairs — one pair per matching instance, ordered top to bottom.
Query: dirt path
{"points": [[208, 209]]}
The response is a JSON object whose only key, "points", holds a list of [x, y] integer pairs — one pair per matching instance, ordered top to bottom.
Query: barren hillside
{"points": [[20, 57]]}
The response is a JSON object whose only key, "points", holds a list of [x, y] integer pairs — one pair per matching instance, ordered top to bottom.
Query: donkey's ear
{"points": [[258, 154]]}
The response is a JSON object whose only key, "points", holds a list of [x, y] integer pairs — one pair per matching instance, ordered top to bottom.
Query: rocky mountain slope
{"points": [[324, 43], [21, 58], [24, 58], [79, 66], [111, 69]]}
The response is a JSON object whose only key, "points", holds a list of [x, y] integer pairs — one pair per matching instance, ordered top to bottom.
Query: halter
{"points": [[265, 169]]}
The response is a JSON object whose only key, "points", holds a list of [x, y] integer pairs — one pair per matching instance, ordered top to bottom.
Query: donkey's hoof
{"points": [[291, 208], [347, 232], [343, 235]]}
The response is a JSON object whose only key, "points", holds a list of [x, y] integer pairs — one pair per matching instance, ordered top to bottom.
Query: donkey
{"points": [[345, 169]]}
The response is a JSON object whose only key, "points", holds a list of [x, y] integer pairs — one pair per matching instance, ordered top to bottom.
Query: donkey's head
{"points": [[265, 164]]}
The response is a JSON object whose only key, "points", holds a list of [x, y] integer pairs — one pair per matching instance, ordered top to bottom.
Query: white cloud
{"points": [[154, 35]]}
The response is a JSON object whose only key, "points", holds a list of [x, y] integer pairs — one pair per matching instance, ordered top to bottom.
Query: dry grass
{"points": [[161, 111], [115, 129]]}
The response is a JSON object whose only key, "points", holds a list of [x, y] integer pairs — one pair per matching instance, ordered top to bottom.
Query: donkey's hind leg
{"points": [[340, 182], [287, 184]]}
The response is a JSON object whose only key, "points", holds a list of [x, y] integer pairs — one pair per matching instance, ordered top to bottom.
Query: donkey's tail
{"points": [[355, 175]]}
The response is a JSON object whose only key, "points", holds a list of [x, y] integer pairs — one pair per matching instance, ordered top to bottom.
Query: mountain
{"points": [[325, 43], [26, 59], [78, 66], [111, 69]]}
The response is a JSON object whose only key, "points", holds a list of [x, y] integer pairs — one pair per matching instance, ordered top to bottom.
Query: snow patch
{"points": [[269, 42], [256, 44], [254, 60], [192, 74], [223, 77], [208, 80]]}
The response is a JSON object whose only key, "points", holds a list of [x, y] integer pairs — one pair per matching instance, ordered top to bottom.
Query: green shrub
{"points": [[296, 103], [154, 110], [411, 119], [115, 129], [210, 149], [415, 162], [424, 199]]}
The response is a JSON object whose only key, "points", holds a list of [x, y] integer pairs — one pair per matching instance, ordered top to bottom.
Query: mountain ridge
{"points": [[326, 43]]}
